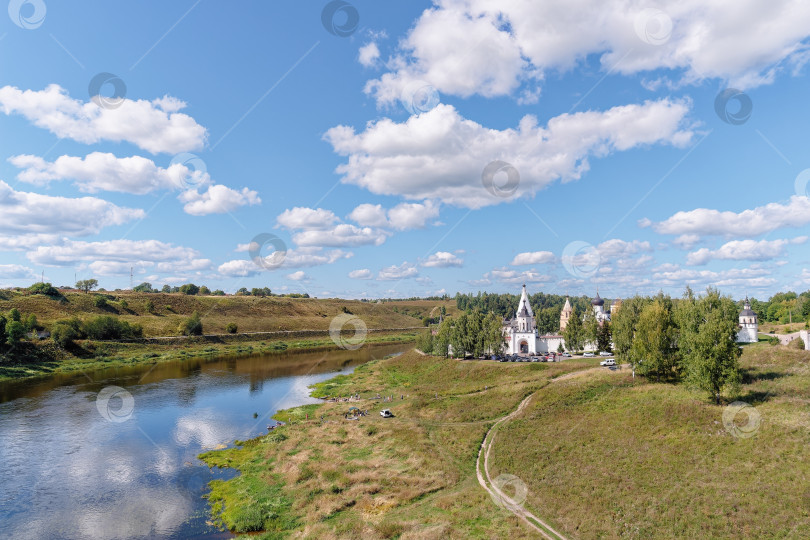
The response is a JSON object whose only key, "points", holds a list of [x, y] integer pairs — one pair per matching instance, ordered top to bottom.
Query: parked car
{"points": [[605, 353], [567, 354], [588, 355], [535, 359], [609, 362], [386, 413]]}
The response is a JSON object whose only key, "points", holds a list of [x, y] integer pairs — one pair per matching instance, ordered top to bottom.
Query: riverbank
{"points": [[41, 359], [659, 460], [412, 475]]}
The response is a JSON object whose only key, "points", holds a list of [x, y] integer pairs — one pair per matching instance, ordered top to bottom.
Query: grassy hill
{"points": [[250, 314], [601, 455]]}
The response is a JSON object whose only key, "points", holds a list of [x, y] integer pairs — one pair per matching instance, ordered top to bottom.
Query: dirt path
{"points": [[494, 491]]}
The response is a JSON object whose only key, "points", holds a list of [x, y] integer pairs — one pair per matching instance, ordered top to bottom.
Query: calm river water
{"points": [[113, 453]]}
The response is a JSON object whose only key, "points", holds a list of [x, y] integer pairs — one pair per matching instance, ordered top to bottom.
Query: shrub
{"points": [[44, 288], [189, 288], [205, 291], [218, 292], [100, 302], [123, 303], [149, 306], [14, 315], [31, 323], [192, 326], [107, 327], [231, 328], [2, 329], [14, 332], [65, 332], [773, 340], [798, 344]]}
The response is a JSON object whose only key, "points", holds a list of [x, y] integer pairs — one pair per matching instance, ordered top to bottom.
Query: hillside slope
{"points": [[250, 314]]}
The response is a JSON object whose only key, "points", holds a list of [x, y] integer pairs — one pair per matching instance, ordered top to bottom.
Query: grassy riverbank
{"points": [[44, 358], [600, 454]]}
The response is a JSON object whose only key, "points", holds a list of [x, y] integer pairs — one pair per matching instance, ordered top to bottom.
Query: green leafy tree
{"points": [[87, 285], [44, 288], [144, 288], [166, 289], [189, 289], [204, 291], [243, 291], [218, 292], [100, 302], [123, 303], [149, 306], [14, 315], [3, 323], [30, 323], [192, 326], [623, 326], [108, 327], [590, 327], [231, 328], [15, 331], [65, 332], [574, 334], [603, 337], [494, 339], [707, 341], [654, 343], [560, 348]]}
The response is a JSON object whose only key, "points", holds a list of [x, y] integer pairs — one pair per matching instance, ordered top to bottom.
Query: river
{"points": [[112, 453]]}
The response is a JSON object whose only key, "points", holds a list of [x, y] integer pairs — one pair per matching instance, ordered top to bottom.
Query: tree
{"points": [[87, 285], [44, 288], [144, 288], [166, 289], [189, 289], [204, 291], [243, 291], [218, 292], [100, 301], [123, 303], [149, 306], [14, 315], [30, 323], [192, 326], [623, 326], [108, 327], [590, 327], [231, 328], [2, 329], [15, 331], [65, 332], [573, 333], [603, 337], [494, 340], [707, 341], [654, 343], [560, 348]]}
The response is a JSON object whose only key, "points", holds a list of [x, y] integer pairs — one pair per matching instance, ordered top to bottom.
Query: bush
{"points": [[44, 288], [189, 288], [204, 291], [218, 292], [100, 302], [123, 303], [149, 306], [14, 315], [31, 323], [192, 326], [107, 327], [231, 328], [2, 329], [14, 332], [65, 332], [773, 340], [798, 344]]}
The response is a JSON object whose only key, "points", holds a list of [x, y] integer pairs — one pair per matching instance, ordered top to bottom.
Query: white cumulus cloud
{"points": [[217, 199], [533, 257], [442, 259]]}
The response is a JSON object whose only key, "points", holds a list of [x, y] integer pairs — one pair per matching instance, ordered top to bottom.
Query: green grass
{"points": [[602, 455]]}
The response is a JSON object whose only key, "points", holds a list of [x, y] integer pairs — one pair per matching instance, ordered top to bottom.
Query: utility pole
{"points": [[131, 286]]}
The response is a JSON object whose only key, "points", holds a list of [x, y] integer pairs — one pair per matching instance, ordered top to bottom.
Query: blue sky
{"points": [[364, 148]]}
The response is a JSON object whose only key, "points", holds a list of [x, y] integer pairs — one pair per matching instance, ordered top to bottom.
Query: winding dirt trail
{"points": [[500, 498]]}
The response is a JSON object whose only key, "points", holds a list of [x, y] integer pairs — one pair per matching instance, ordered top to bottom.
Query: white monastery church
{"points": [[522, 337]]}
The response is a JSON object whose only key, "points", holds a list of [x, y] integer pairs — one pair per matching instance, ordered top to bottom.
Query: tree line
{"points": [[473, 332]]}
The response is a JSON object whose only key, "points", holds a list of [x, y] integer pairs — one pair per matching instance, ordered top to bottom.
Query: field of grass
{"points": [[250, 314], [601, 455], [612, 457], [412, 476]]}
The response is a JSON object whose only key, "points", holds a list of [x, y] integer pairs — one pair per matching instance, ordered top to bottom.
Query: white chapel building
{"points": [[749, 326]]}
